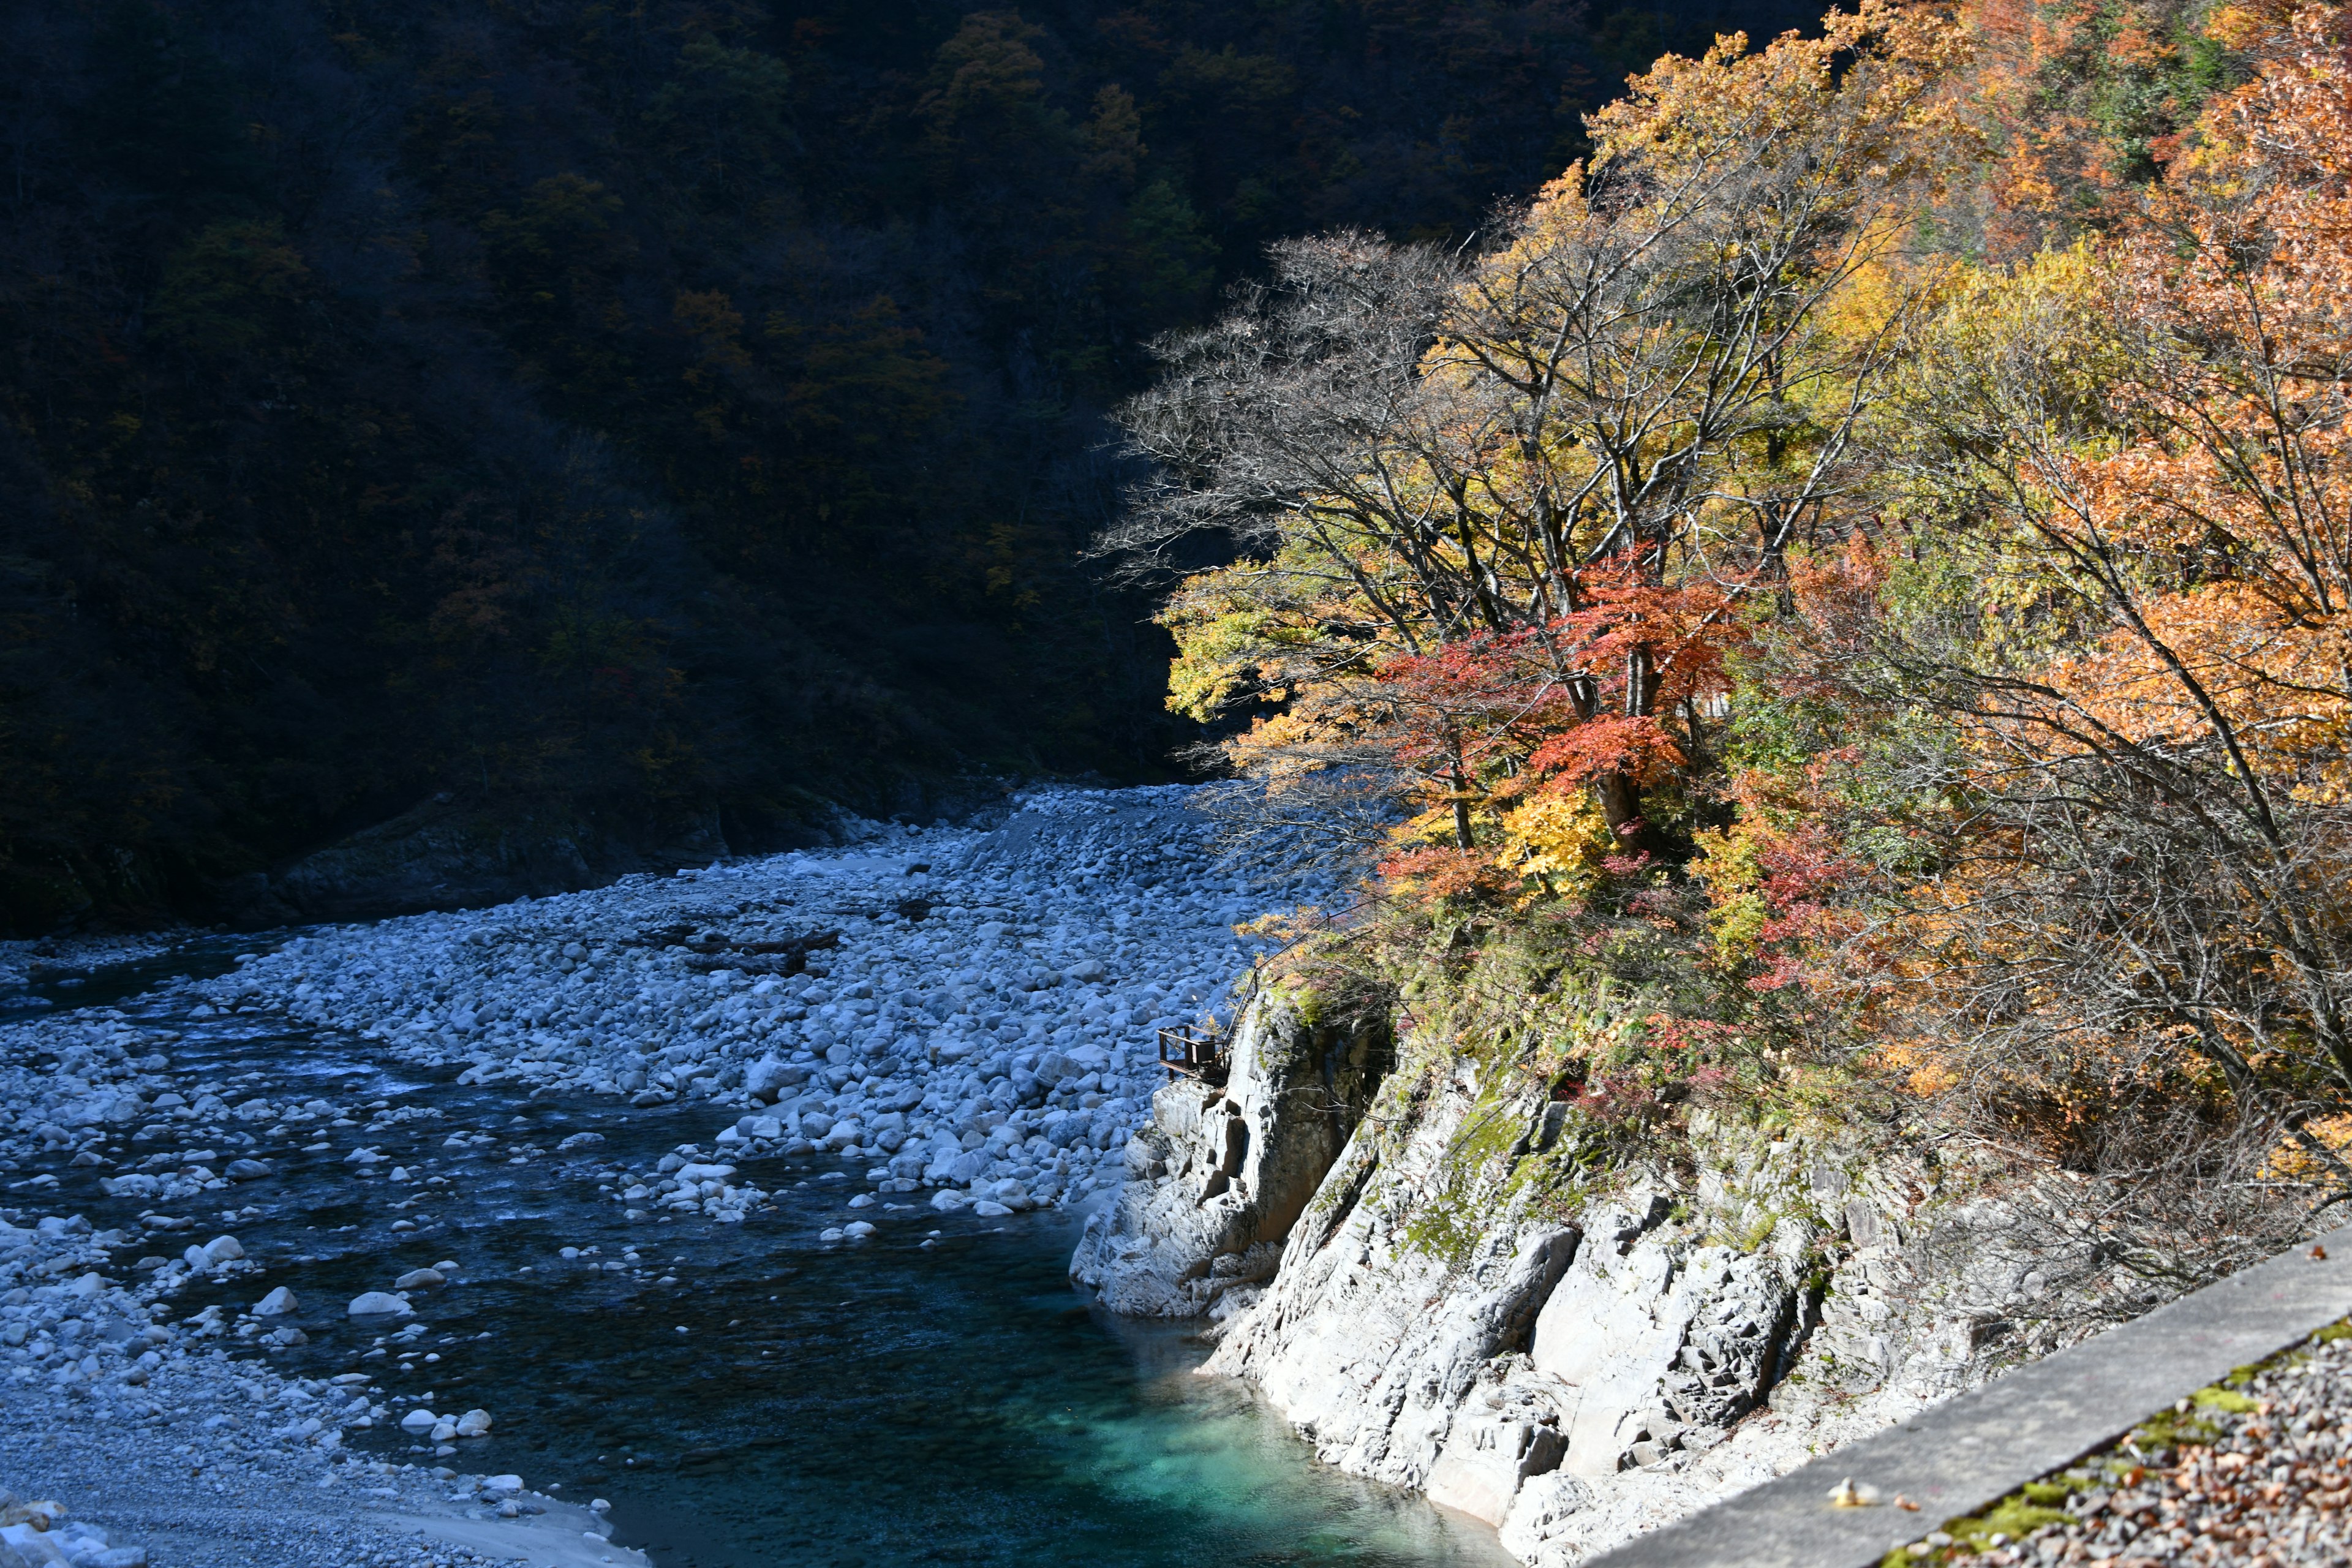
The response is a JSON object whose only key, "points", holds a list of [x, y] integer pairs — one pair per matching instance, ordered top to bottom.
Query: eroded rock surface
{"points": [[1220, 1175], [1464, 1308]]}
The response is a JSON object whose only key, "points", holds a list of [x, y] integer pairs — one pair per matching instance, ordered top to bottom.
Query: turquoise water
{"points": [[873, 1404]]}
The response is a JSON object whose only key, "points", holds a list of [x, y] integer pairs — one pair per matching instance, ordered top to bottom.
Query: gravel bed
{"points": [[962, 1014], [970, 1014], [152, 1439], [2256, 1471]]}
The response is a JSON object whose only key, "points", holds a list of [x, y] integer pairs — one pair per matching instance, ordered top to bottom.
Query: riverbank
{"points": [[64, 961], [965, 1013], [1447, 1278], [664, 1354], [157, 1446]]}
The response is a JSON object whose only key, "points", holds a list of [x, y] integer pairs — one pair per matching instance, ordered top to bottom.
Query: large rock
{"points": [[766, 1080], [1220, 1175], [1472, 1305], [1374, 1334], [1650, 1338], [1644, 1344], [1494, 1444], [31, 1547]]}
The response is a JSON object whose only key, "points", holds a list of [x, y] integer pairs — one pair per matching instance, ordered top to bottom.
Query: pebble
{"points": [[986, 1009], [977, 1027], [160, 1424], [2257, 1474], [39, 1533]]}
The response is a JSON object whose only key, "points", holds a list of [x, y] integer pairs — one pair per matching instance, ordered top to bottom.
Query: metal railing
{"points": [[1186, 1054]]}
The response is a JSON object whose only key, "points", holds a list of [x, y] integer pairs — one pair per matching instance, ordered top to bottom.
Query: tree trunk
{"points": [[1621, 802]]}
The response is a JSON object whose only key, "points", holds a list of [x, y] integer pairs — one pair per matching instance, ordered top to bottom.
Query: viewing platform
{"points": [[1188, 1053]]}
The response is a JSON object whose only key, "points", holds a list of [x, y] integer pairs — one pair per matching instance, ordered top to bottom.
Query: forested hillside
{"points": [[659, 409], [1841, 609]]}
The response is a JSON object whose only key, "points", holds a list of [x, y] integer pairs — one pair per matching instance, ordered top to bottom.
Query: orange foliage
{"points": [[2146, 444], [2221, 535]]}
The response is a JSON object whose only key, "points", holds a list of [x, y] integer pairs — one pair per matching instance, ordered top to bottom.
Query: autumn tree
{"points": [[1499, 517], [2106, 644]]}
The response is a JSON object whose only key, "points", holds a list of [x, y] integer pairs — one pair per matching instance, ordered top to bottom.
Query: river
{"points": [[745, 1396]]}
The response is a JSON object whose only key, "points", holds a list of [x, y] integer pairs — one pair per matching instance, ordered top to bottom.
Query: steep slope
{"points": [[1488, 1301]]}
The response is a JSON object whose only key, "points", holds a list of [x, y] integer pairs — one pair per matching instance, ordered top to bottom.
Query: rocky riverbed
{"points": [[966, 1014], [302, 1248], [132, 1419]]}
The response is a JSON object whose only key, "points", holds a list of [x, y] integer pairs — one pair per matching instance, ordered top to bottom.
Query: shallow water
{"points": [[784, 1402]]}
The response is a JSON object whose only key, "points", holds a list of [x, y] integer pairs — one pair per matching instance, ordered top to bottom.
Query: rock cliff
{"points": [[1222, 1170], [1493, 1300]]}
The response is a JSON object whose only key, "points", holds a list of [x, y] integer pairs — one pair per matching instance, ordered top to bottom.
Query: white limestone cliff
{"points": [[1486, 1301]]}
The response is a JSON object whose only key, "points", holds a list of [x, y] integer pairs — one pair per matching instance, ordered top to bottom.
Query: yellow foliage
{"points": [[1506, 498], [1557, 841], [1725, 863], [2293, 1161]]}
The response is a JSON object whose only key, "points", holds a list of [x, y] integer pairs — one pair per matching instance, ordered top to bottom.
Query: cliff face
{"points": [[1221, 1172], [1477, 1303]]}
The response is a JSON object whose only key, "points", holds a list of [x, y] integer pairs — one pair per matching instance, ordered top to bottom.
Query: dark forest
{"points": [[643, 415]]}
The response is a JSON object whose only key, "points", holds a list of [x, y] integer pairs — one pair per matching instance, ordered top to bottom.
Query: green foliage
{"points": [[725, 123], [1174, 255], [235, 290], [1616, 1025], [2012, 1517]]}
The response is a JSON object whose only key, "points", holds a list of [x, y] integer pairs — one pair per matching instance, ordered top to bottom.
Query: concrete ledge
{"points": [[1975, 1449]]}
